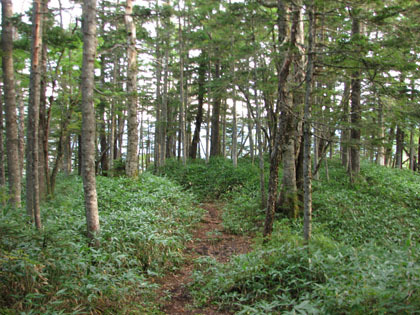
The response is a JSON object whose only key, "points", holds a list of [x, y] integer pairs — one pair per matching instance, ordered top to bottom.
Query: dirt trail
{"points": [[209, 239]]}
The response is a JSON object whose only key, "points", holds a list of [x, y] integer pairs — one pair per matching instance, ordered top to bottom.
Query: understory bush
{"points": [[214, 180], [238, 188], [382, 206], [144, 226], [364, 256], [285, 276]]}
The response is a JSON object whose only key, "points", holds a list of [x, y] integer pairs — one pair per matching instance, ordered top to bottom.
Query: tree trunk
{"points": [[182, 98], [282, 103], [158, 109], [164, 111], [356, 114], [88, 118], [199, 118], [208, 118], [21, 131], [345, 134], [259, 139], [12, 141], [215, 145], [400, 148], [388, 149], [32, 151], [411, 152], [380, 158], [132, 164], [43, 166], [2, 170], [307, 176]]}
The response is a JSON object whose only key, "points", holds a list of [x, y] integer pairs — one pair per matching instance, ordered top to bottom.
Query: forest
{"points": [[210, 157]]}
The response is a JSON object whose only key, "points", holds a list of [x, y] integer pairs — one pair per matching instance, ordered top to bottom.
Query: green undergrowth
{"points": [[237, 188], [383, 206], [144, 226], [364, 256], [286, 276]]}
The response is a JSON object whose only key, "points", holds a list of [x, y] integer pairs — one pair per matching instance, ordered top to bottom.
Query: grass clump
{"points": [[144, 226]]}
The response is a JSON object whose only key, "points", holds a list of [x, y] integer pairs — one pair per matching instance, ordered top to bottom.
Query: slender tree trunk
{"points": [[158, 69], [182, 113], [164, 114], [355, 115], [88, 118], [199, 118], [224, 118], [208, 120], [234, 128], [21, 131], [250, 133], [345, 133], [12, 140], [259, 140], [390, 144], [215, 145], [400, 148], [32, 152], [411, 152], [380, 159], [132, 164], [2, 170], [42, 171], [307, 176]]}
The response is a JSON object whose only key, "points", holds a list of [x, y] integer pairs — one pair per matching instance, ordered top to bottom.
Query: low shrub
{"points": [[144, 226]]}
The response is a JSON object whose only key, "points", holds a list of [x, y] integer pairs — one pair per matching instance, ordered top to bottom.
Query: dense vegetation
{"points": [[145, 224], [363, 257]]}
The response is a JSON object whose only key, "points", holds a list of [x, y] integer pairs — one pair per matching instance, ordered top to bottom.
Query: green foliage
{"points": [[213, 180], [383, 206], [144, 226], [363, 257], [286, 276]]}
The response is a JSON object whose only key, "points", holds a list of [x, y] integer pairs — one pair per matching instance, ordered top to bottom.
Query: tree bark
{"points": [[182, 99], [282, 100], [356, 111], [199, 118], [88, 119], [12, 141], [215, 145], [400, 148], [32, 151], [411, 151], [380, 158], [132, 163], [2, 170], [307, 176]]}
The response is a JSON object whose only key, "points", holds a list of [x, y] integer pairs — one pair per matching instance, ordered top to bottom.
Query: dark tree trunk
{"points": [[355, 115], [199, 118], [215, 145], [399, 148], [2, 171]]}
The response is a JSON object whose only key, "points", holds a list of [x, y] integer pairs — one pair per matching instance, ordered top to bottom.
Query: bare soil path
{"points": [[209, 239]]}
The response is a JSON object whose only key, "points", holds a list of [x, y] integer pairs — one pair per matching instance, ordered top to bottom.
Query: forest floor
{"points": [[209, 239]]}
